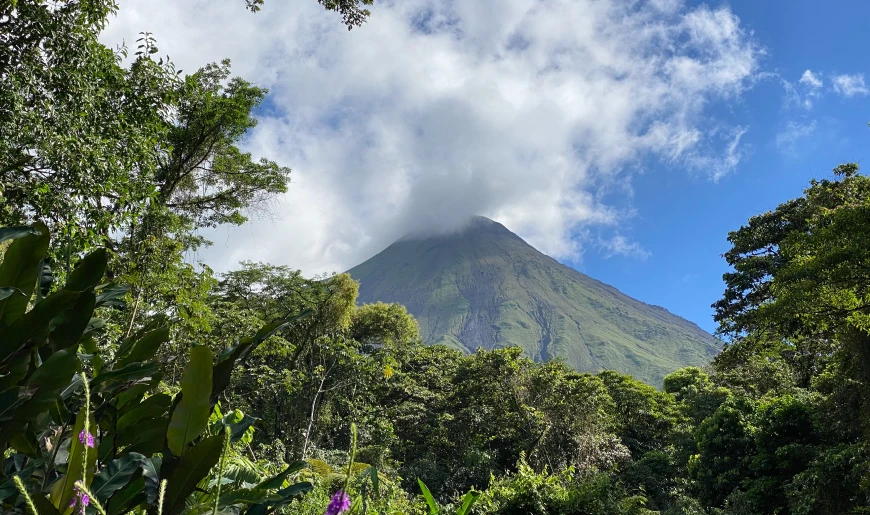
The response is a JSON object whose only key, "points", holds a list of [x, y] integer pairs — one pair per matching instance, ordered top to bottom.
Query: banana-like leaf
{"points": [[9, 233], [20, 268], [88, 272], [72, 324], [32, 328], [144, 348], [49, 380], [155, 406], [190, 416], [192, 467], [115, 476], [278, 480], [247, 496], [125, 498], [467, 502], [433, 506]]}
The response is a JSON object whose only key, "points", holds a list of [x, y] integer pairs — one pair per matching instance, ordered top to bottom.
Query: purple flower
{"points": [[89, 439], [81, 498], [340, 503]]}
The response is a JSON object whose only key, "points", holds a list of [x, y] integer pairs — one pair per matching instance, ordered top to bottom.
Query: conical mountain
{"points": [[485, 287]]}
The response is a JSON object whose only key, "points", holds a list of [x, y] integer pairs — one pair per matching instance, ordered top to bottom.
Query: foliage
{"points": [[53, 413]]}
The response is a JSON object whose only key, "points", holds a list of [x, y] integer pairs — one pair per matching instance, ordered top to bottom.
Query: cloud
{"points": [[812, 80], [850, 85], [808, 87], [521, 110], [789, 139], [618, 245]]}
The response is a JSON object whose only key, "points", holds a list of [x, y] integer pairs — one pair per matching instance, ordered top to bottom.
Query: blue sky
{"points": [[623, 137], [683, 223]]}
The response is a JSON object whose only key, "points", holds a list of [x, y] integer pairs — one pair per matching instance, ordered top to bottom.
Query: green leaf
{"points": [[9, 233], [19, 270], [88, 272], [7, 292], [112, 295], [71, 325], [33, 328], [145, 347], [227, 360], [49, 379], [107, 380], [152, 407], [190, 417], [237, 429], [192, 467], [373, 474], [115, 476], [278, 480], [62, 489], [246, 496], [127, 497], [467, 502], [43, 505], [433, 506]]}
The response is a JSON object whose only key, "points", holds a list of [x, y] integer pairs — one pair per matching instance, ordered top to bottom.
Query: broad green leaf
{"points": [[9, 233], [19, 270], [88, 272], [7, 292], [112, 295], [71, 325], [32, 329], [145, 347], [227, 360], [132, 372], [49, 379], [154, 406], [190, 417], [237, 429], [192, 467], [115, 476], [278, 480], [7, 485], [62, 490], [246, 496], [125, 498], [467, 502], [43, 505], [433, 506]]}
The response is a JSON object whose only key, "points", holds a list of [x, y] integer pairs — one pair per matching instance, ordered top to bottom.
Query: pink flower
{"points": [[89, 439], [340, 503]]}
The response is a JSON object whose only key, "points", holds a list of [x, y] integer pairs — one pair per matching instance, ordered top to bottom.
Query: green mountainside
{"points": [[486, 287]]}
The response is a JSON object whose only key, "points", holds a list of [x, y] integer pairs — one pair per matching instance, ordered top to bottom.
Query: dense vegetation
{"points": [[483, 286], [132, 380]]}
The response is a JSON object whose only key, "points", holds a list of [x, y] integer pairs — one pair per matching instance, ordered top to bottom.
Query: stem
{"points": [[133, 313], [311, 418], [86, 428], [352, 455], [220, 474], [81, 486], [26, 496], [160, 497]]}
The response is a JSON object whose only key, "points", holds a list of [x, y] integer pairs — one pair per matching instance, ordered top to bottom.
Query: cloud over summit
{"points": [[433, 111]]}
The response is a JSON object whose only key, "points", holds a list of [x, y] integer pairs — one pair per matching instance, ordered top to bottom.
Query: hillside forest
{"points": [[135, 380]]}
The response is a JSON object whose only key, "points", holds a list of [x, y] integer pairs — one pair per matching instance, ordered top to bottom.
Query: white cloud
{"points": [[811, 79], [850, 85], [808, 87], [435, 110], [789, 139], [619, 245]]}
